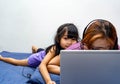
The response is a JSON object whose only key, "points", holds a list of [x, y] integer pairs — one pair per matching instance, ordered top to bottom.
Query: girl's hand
{"points": [[51, 82]]}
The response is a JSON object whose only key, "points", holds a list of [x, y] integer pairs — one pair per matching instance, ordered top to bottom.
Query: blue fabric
{"points": [[11, 74], [36, 78]]}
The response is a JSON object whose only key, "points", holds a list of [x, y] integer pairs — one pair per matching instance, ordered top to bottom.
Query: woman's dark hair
{"points": [[102, 27], [72, 32]]}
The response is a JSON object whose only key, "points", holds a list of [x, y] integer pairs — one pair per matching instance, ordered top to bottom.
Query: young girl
{"points": [[66, 35]]}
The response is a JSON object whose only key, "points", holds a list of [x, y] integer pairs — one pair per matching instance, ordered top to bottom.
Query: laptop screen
{"points": [[90, 67]]}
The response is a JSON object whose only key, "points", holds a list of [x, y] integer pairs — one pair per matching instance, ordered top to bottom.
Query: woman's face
{"points": [[101, 44]]}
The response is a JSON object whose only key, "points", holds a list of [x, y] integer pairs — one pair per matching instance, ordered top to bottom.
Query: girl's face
{"points": [[65, 42], [100, 44]]}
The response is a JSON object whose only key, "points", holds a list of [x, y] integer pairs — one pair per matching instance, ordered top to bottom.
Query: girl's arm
{"points": [[43, 66]]}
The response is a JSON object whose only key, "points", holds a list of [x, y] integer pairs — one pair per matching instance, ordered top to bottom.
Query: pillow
{"points": [[36, 78]]}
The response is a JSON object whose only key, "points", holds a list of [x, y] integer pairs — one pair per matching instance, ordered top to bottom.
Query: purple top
{"points": [[35, 59]]}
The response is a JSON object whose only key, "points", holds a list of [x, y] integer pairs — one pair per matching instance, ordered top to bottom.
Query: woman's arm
{"points": [[54, 65], [43, 66], [54, 69]]}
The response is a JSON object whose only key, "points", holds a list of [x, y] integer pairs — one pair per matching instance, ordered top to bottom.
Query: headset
{"points": [[101, 21], [89, 24]]}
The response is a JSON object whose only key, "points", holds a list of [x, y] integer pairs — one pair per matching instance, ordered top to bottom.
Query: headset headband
{"points": [[90, 25]]}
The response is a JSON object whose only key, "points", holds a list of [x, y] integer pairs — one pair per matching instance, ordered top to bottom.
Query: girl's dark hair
{"points": [[103, 27], [72, 32]]}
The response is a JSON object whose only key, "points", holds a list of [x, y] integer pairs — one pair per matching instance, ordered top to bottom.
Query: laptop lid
{"points": [[90, 67]]}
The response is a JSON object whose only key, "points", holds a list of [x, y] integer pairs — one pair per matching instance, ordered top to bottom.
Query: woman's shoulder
{"points": [[76, 46], [118, 47]]}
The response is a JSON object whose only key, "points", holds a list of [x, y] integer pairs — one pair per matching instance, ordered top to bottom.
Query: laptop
{"points": [[90, 67]]}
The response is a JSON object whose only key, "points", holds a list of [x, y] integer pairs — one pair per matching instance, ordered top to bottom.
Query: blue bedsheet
{"points": [[11, 74]]}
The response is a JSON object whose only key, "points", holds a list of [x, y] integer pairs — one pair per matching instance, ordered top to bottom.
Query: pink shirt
{"points": [[76, 46]]}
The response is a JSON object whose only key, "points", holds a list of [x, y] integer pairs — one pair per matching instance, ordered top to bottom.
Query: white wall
{"points": [[24, 23]]}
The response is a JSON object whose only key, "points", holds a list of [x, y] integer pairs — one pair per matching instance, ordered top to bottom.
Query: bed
{"points": [[11, 74]]}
